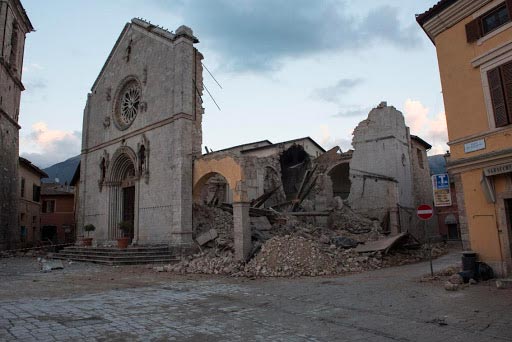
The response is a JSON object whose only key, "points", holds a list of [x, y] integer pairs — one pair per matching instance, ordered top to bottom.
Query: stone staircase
{"points": [[116, 256]]}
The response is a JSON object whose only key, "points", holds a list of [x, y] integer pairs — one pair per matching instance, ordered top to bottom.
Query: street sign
{"points": [[441, 188], [424, 212]]}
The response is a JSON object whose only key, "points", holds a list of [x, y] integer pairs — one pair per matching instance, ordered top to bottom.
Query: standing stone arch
{"points": [[122, 181]]}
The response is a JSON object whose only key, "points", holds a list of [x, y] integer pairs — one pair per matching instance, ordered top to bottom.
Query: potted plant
{"points": [[126, 227], [88, 240]]}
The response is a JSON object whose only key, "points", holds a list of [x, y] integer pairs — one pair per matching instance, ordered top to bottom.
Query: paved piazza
{"points": [[99, 303]]}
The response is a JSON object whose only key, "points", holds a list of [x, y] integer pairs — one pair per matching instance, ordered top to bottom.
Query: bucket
{"points": [[469, 261]]}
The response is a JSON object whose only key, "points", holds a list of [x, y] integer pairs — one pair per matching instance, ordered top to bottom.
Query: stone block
{"points": [[207, 237], [504, 284]]}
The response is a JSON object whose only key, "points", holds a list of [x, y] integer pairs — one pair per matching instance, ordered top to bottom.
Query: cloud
{"points": [[256, 35], [30, 67], [35, 84], [335, 93], [352, 112], [430, 128], [326, 139], [45, 147]]}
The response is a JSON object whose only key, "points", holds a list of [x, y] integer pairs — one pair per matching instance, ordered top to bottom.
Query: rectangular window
{"points": [[494, 19], [489, 21], [500, 87], [419, 153], [22, 188], [36, 193], [49, 206], [23, 234]]}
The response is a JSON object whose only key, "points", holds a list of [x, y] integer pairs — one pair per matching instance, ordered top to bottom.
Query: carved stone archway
{"points": [[122, 182]]}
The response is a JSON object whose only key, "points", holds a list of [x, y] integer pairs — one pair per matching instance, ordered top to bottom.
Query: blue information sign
{"points": [[442, 181], [441, 187]]}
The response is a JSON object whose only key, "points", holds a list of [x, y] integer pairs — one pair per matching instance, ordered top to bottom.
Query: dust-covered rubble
{"points": [[292, 247]]}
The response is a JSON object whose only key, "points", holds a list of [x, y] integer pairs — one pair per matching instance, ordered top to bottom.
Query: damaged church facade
{"points": [[141, 130], [142, 162]]}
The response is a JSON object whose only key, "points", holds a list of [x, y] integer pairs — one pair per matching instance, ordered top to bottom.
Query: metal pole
{"points": [[429, 249]]}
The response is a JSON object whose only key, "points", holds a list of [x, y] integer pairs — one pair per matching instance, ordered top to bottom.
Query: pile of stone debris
{"points": [[291, 247]]}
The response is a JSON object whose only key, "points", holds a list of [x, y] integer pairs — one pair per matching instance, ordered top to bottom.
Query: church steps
{"points": [[116, 256]]}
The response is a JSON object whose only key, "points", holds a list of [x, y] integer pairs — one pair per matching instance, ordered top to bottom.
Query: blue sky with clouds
{"points": [[288, 69]]}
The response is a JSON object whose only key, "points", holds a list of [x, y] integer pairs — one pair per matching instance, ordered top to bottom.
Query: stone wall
{"points": [[14, 25], [168, 70], [380, 169], [389, 173], [8, 184], [422, 191]]}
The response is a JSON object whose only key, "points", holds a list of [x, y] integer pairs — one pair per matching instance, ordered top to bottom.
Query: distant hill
{"points": [[437, 164], [63, 171]]}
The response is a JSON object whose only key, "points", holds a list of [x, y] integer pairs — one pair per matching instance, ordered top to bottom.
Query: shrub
{"points": [[89, 228]]}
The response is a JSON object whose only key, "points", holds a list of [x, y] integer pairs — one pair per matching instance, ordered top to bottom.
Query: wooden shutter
{"points": [[509, 7], [473, 31], [506, 75], [498, 99]]}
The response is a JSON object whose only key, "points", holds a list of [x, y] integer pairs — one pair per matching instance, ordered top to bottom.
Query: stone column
{"points": [[461, 206], [242, 230]]}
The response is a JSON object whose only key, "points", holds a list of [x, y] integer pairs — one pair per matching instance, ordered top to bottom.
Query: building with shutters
{"points": [[473, 40], [29, 203], [58, 213]]}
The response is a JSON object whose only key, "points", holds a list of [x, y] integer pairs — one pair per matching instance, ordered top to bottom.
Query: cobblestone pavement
{"points": [[385, 305]]}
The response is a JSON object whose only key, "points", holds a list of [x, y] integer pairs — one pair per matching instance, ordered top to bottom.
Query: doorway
{"points": [[129, 207], [508, 213], [49, 233]]}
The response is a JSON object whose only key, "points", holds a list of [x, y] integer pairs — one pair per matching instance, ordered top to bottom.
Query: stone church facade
{"points": [[14, 25], [141, 132]]}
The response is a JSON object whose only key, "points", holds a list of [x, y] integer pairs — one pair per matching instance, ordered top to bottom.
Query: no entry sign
{"points": [[424, 212]]}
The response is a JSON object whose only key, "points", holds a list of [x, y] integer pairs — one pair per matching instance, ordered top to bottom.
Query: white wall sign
{"points": [[474, 146]]}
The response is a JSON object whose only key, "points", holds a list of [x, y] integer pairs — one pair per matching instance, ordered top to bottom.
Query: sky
{"points": [[288, 69]]}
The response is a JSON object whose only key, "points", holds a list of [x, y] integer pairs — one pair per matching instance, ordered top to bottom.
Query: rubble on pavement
{"points": [[291, 247]]}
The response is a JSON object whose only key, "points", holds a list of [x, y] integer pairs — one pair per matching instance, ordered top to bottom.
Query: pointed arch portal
{"points": [[123, 191]]}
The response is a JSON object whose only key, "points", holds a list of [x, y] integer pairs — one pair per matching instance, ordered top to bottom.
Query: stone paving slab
{"points": [[385, 305]]}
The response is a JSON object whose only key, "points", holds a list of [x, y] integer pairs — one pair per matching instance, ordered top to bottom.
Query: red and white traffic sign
{"points": [[424, 212]]}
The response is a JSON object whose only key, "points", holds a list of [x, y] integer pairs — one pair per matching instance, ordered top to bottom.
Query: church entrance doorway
{"points": [[123, 193], [129, 207]]}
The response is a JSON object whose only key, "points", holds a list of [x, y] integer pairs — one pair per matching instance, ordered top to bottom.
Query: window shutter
{"points": [[509, 7], [473, 32], [506, 74], [498, 99]]}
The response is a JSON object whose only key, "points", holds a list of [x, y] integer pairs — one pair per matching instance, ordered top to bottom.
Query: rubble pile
{"points": [[206, 218], [346, 219], [347, 225], [293, 247], [291, 256], [210, 262]]}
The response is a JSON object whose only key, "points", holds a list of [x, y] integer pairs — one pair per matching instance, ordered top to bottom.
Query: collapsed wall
{"points": [[389, 173]]}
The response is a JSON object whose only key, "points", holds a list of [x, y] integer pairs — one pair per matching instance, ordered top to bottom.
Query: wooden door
{"points": [[129, 206], [508, 212]]}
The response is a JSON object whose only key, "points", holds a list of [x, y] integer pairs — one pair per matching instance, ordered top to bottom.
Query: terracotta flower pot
{"points": [[87, 242], [123, 242]]}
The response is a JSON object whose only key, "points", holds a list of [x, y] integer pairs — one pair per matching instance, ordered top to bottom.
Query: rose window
{"points": [[128, 104]]}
